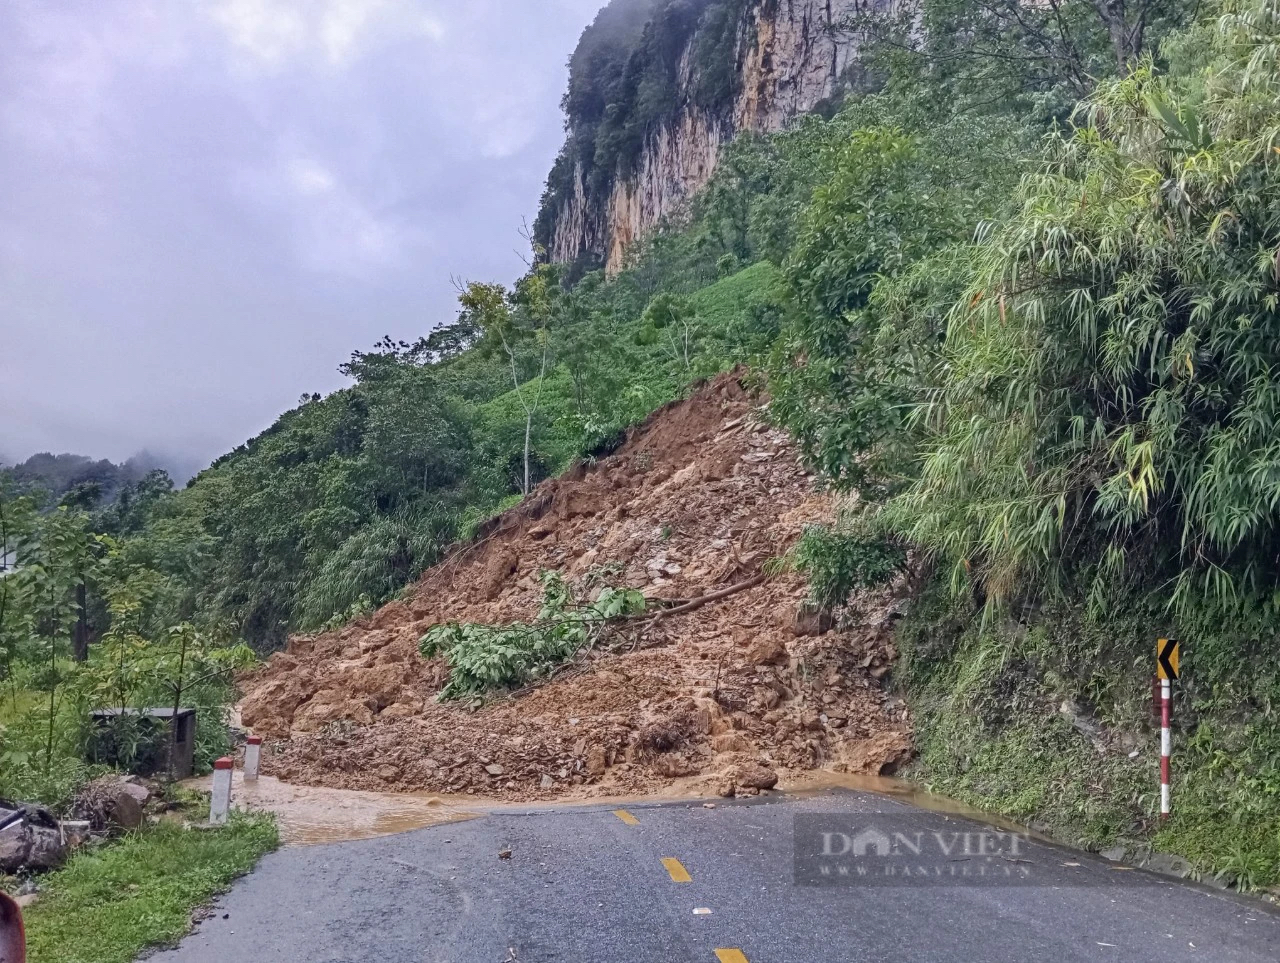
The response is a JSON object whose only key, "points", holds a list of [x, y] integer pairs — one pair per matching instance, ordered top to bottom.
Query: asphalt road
{"points": [[589, 884]]}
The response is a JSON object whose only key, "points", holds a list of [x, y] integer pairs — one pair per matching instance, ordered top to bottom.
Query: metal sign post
{"points": [[1167, 657]]}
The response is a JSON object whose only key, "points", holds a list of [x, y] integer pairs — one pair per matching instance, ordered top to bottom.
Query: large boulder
{"points": [[812, 619], [768, 650], [379, 684], [333, 705], [744, 776], [754, 776], [113, 802], [35, 843], [13, 849]]}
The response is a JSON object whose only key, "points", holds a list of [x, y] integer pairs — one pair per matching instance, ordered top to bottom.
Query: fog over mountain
{"points": [[205, 207]]}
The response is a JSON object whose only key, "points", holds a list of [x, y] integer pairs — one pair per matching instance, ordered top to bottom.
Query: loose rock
{"points": [[676, 512], [112, 802], [34, 844]]}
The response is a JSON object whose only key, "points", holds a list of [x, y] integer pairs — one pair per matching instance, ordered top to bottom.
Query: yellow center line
{"points": [[626, 817], [678, 873], [731, 956]]}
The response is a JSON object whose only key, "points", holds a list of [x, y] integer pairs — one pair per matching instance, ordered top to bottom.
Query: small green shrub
{"points": [[836, 563], [361, 607], [483, 657], [135, 743], [27, 779]]}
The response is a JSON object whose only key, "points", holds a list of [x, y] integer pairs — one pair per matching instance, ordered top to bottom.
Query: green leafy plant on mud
{"points": [[836, 562], [485, 657]]}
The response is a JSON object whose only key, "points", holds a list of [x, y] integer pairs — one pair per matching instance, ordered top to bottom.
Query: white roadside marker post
{"points": [[1168, 657], [1165, 748], [252, 756], [220, 802]]}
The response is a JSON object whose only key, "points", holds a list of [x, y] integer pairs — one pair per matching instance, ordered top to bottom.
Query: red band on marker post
{"points": [[254, 740], [1165, 746], [220, 796]]}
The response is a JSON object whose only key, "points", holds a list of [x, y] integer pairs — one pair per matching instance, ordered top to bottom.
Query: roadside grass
{"points": [[1049, 722], [1037, 770], [108, 905]]}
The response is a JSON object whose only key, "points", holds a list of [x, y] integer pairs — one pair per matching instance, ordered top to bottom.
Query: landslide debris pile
{"points": [[696, 500]]}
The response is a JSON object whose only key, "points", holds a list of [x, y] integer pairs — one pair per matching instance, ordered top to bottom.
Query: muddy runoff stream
{"points": [[310, 815]]}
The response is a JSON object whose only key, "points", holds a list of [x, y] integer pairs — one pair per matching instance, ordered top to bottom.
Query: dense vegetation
{"points": [[1019, 303], [1100, 444], [84, 625]]}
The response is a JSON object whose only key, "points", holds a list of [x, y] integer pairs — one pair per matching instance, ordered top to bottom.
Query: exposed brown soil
{"points": [[696, 500]]}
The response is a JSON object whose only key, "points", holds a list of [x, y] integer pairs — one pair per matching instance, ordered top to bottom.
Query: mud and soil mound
{"points": [[695, 501]]}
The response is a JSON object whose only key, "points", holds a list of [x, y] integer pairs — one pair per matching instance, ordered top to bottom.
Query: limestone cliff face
{"points": [[790, 56]]}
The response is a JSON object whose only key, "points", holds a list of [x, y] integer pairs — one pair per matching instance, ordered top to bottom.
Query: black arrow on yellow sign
{"points": [[1167, 654]]}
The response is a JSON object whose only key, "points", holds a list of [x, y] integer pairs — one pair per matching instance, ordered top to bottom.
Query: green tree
{"points": [[994, 56], [879, 256], [508, 321], [674, 321], [1110, 396], [416, 437], [134, 504], [17, 519], [56, 557], [377, 560], [185, 659], [116, 674]]}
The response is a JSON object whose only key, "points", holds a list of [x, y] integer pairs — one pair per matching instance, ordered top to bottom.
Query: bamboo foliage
{"points": [[1110, 387]]}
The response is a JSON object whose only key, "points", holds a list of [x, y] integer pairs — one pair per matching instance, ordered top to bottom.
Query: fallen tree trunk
{"points": [[702, 600]]}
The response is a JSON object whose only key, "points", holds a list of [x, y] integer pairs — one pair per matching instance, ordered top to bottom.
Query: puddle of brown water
{"points": [[795, 783], [808, 783], [309, 815]]}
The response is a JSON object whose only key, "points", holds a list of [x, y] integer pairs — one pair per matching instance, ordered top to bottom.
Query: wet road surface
{"points": [[307, 815], [677, 882]]}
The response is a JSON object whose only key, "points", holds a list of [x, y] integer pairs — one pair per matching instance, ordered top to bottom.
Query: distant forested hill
{"points": [[58, 475]]}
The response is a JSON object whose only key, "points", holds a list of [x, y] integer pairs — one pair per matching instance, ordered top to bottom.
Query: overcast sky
{"points": [[206, 206]]}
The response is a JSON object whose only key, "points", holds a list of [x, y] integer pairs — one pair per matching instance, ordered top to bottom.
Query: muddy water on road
{"points": [[818, 781], [312, 814], [309, 815]]}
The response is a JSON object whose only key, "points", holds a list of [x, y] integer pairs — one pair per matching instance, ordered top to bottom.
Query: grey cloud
{"points": [[205, 207]]}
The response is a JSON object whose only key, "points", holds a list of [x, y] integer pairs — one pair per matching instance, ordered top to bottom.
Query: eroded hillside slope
{"points": [[696, 500]]}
